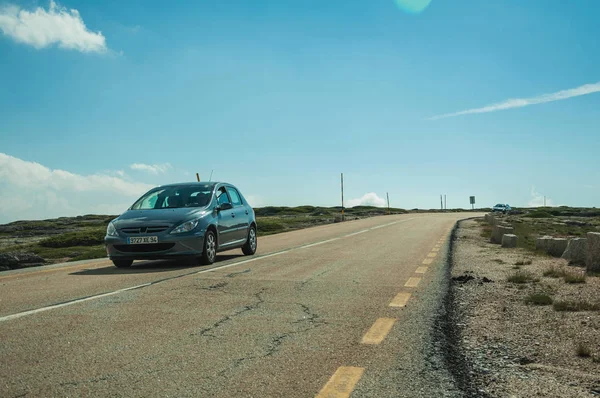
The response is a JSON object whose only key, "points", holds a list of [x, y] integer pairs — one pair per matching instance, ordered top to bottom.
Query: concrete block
{"points": [[499, 230], [509, 240], [542, 243], [556, 246], [576, 251], [592, 261]]}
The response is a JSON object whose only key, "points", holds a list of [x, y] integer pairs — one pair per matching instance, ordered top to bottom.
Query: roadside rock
{"points": [[499, 230], [509, 240], [556, 246], [576, 251], [14, 260], [592, 262]]}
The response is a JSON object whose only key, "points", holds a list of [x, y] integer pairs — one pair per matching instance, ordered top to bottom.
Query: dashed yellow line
{"points": [[435, 249], [432, 254], [427, 261], [421, 270], [412, 282], [400, 300], [378, 331], [342, 383]]}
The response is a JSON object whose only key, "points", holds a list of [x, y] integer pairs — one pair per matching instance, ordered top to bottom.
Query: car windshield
{"points": [[175, 196], [499, 205]]}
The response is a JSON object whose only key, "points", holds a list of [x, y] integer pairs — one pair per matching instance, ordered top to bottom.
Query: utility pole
{"points": [[198, 177], [210, 179], [342, 196], [388, 199], [441, 203], [445, 207]]}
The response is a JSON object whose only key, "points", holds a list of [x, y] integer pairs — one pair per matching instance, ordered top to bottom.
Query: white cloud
{"points": [[42, 28], [521, 102], [152, 168], [33, 191], [368, 199], [537, 199]]}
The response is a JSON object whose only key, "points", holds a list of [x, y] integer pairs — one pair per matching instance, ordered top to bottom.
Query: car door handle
{"points": [[246, 212], [232, 214]]}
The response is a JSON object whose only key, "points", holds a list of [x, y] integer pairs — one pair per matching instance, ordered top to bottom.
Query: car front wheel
{"points": [[250, 247], [209, 253]]}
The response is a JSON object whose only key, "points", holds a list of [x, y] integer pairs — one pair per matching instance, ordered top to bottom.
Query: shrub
{"points": [[538, 214], [70, 239], [524, 262], [554, 272], [521, 277], [574, 277], [538, 299], [574, 306], [583, 350]]}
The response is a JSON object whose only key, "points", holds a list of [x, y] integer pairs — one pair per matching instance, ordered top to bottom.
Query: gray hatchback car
{"points": [[187, 220]]}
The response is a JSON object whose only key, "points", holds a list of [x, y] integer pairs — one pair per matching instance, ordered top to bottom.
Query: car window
{"points": [[175, 196], [222, 196], [235, 197]]}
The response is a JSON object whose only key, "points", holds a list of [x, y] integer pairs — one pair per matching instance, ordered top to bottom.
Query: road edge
{"points": [[447, 332]]}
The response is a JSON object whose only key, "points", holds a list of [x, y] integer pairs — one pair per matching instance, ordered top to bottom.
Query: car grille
{"points": [[144, 230], [152, 247]]}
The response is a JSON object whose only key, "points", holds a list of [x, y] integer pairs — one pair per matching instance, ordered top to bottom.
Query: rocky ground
{"points": [[535, 336]]}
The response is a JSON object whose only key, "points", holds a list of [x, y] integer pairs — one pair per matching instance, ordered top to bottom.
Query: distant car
{"points": [[501, 208], [188, 220]]}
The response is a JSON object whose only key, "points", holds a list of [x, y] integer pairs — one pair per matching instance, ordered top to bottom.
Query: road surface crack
{"points": [[234, 274], [216, 286], [206, 331]]}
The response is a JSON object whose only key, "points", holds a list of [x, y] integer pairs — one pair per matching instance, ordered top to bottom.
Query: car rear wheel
{"points": [[251, 244], [209, 252], [122, 263]]}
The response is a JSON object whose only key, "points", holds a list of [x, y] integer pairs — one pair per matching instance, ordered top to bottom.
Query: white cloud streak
{"points": [[43, 28], [522, 102], [155, 169], [33, 191], [368, 199]]}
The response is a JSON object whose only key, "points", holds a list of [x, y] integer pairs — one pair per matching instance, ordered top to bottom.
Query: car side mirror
{"points": [[224, 206]]}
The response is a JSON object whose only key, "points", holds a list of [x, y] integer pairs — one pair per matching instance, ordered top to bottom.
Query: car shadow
{"points": [[154, 266]]}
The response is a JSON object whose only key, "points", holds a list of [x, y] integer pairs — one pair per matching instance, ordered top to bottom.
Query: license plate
{"points": [[142, 240]]}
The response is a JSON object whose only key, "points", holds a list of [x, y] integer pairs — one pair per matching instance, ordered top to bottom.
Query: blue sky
{"points": [[279, 97]]}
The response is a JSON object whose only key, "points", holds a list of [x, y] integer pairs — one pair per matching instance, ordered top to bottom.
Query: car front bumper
{"points": [[168, 246]]}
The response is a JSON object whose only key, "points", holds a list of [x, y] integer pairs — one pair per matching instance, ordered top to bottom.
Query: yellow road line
{"points": [[435, 249], [432, 254], [427, 261], [421, 270], [412, 282], [400, 300], [378, 331], [342, 383]]}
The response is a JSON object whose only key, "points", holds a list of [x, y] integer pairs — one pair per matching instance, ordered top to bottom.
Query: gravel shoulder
{"points": [[516, 349]]}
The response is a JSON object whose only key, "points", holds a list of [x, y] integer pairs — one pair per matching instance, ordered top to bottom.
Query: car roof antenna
{"points": [[211, 172]]}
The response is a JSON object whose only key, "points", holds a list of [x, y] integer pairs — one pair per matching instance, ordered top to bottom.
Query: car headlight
{"points": [[185, 227], [111, 230]]}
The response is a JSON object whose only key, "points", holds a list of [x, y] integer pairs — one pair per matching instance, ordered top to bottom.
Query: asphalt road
{"points": [[327, 311]]}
